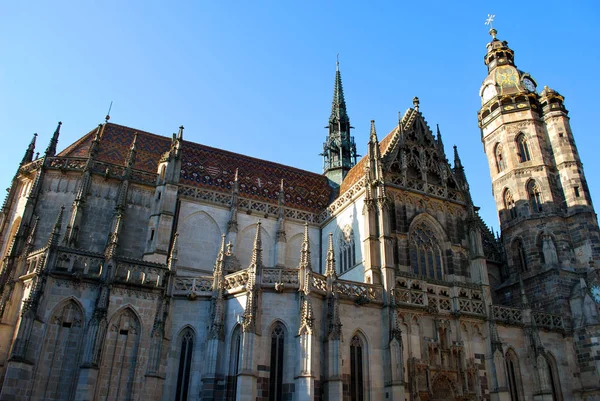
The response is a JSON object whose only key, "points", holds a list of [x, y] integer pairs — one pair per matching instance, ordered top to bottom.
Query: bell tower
{"points": [[339, 149], [546, 216]]}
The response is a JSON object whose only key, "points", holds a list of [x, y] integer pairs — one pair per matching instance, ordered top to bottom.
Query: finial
{"points": [[489, 21], [337, 62], [416, 103], [108, 114], [180, 133], [373, 133], [134, 143], [51, 149], [29, 152], [457, 162], [235, 178], [281, 186], [330, 260]]}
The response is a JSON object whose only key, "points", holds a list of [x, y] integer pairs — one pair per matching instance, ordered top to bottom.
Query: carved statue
{"points": [[549, 250]]}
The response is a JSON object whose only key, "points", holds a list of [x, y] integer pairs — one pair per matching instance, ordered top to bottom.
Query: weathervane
{"points": [[489, 21], [108, 114]]}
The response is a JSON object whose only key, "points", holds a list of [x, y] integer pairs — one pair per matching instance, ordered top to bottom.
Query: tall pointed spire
{"points": [[338, 105], [51, 149], [339, 149], [29, 152], [457, 162], [256, 259], [330, 259], [305, 261]]}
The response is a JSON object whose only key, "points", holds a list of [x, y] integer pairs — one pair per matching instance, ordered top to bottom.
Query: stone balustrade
{"points": [[83, 263], [141, 273], [287, 277], [236, 282], [193, 286], [358, 292], [507, 315]]}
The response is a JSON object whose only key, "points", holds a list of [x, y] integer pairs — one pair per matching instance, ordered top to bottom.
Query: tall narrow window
{"points": [[522, 148], [500, 164], [576, 190], [535, 197], [509, 204], [347, 249], [425, 252], [519, 256], [185, 362], [234, 363], [276, 368], [514, 376], [554, 380], [357, 381]]}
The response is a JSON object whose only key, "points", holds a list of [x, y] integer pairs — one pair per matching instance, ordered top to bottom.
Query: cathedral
{"points": [[138, 267]]}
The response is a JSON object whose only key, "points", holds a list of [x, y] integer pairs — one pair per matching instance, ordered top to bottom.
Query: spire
{"points": [[338, 105], [180, 133], [373, 133], [439, 139], [51, 149], [339, 149], [29, 152], [130, 161], [457, 162], [53, 239], [174, 252], [305, 252], [256, 259], [330, 259], [218, 272]]}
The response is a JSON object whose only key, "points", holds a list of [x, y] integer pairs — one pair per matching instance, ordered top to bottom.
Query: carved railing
{"points": [[85, 264], [138, 272], [287, 277], [236, 282], [318, 283], [193, 286], [358, 292], [440, 297], [507, 315], [549, 321]]}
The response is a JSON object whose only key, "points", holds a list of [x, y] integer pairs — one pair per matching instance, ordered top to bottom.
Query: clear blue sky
{"points": [[257, 77]]}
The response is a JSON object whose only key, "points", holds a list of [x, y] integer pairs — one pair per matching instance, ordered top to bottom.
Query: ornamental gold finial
{"points": [[489, 21]]}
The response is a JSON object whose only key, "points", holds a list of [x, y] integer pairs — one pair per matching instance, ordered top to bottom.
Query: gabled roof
{"points": [[206, 167]]}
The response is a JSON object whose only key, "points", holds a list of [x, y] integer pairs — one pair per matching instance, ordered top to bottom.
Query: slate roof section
{"points": [[206, 167]]}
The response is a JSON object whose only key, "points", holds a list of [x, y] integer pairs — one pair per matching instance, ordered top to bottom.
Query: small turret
{"points": [[51, 149], [29, 152]]}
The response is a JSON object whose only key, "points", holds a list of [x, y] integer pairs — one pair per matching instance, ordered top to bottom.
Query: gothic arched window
{"points": [[522, 148], [500, 164], [535, 197], [509, 204], [347, 249], [425, 252], [519, 256], [234, 363], [185, 365], [276, 368], [513, 373], [357, 374], [553, 378]]}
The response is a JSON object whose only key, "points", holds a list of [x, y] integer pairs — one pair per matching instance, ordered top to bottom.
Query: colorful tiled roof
{"points": [[207, 167], [358, 170]]}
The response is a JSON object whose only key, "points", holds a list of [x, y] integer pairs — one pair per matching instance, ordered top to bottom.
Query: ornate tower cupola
{"points": [[339, 149]]}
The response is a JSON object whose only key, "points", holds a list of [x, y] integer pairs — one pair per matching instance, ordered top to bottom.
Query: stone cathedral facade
{"points": [[141, 267]]}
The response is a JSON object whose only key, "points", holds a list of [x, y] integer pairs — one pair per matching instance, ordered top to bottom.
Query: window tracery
{"points": [[522, 148], [500, 163], [535, 197], [509, 204], [347, 249], [425, 252], [185, 362], [276, 367], [514, 376], [357, 381]]}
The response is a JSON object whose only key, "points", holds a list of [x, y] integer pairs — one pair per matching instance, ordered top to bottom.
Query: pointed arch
{"points": [[522, 148], [499, 157], [534, 195], [509, 204], [199, 236], [427, 243], [346, 249], [519, 256], [277, 334], [185, 343], [119, 356], [234, 362], [359, 367], [57, 369], [513, 371], [554, 377], [442, 388]]}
